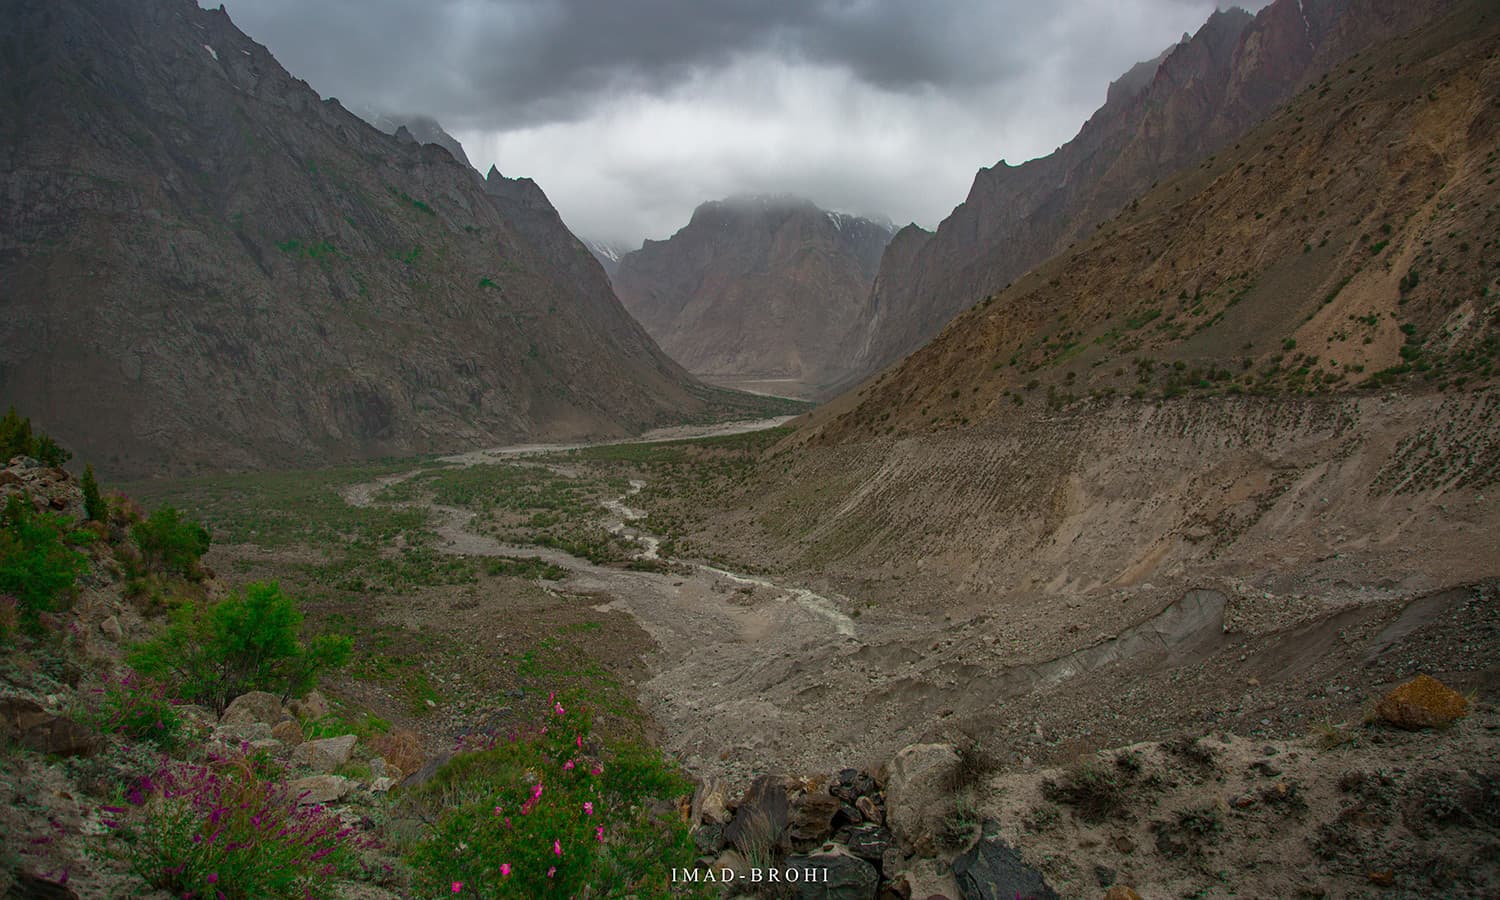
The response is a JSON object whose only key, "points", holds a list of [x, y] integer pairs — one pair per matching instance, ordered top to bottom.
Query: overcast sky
{"points": [[630, 113]]}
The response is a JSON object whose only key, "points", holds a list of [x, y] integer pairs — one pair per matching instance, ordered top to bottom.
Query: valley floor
{"points": [[675, 573]]}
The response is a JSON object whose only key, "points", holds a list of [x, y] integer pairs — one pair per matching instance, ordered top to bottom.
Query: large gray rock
{"points": [[256, 706], [326, 754], [320, 789], [918, 792], [992, 870], [833, 874]]}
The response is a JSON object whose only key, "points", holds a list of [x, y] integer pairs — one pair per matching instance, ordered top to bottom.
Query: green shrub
{"points": [[93, 501], [170, 543], [37, 565], [248, 641], [138, 711], [554, 814], [226, 831]]}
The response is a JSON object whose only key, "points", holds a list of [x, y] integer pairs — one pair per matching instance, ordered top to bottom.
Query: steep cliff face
{"points": [[1160, 118], [205, 265], [757, 287]]}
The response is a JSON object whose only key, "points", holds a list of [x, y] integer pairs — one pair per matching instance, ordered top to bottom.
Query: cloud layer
{"points": [[629, 114]]}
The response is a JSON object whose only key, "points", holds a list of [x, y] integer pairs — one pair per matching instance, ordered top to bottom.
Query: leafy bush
{"points": [[17, 439], [170, 543], [37, 565], [248, 641], [139, 711], [553, 814], [227, 832]]}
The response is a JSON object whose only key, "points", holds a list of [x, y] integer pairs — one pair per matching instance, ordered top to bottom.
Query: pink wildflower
{"points": [[579, 741], [568, 766], [596, 770], [536, 792], [588, 807], [599, 833], [557, 847], [505, 869], [551, 870], [458, 886]]}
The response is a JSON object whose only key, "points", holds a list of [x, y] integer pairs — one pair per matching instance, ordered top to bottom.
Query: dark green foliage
{"points": [[17, 439], [93, 501], [170, 543], [37, 565], [249, 641], [555, 813]]}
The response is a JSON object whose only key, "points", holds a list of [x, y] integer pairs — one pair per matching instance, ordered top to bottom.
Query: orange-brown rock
{"points": [[1423, 702]]}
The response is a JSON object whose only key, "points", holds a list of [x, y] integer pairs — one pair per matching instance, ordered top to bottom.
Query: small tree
{"points": [[15, 436], [17, 439], [93, 501], [171, 543], [36, 564], [245, 642]]}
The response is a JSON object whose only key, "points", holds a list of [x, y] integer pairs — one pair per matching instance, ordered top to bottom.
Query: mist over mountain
{"points": [[757, 287]]}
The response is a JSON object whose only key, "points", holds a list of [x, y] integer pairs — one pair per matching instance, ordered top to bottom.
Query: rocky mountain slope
{"points": [[1158, 119], [422, 129], [608, 255], [205, 265], [756, 287], [1273, 378]]}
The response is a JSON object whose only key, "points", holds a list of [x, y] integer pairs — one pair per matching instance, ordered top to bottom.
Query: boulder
{"points": [[111, 629], [1423, 702], [256, 706], [313, 706], [20, 714], [243, 732], [288, 732], [60, 736], [325, 754], [382, 784], [320, 789], [918, 793], [712, 803], [870, 810], [811, 818], [709, 839], [868, 842], [992, 870], [833, 874]]}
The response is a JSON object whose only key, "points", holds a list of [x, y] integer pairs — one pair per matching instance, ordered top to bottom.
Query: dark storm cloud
{"points": [[630, 112]]}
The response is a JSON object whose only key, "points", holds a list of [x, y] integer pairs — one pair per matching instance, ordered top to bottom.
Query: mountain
{"points": [[1161, 117], [422, 129], [1343, 245], [608, 255], [204, 265], [757, 287]]}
